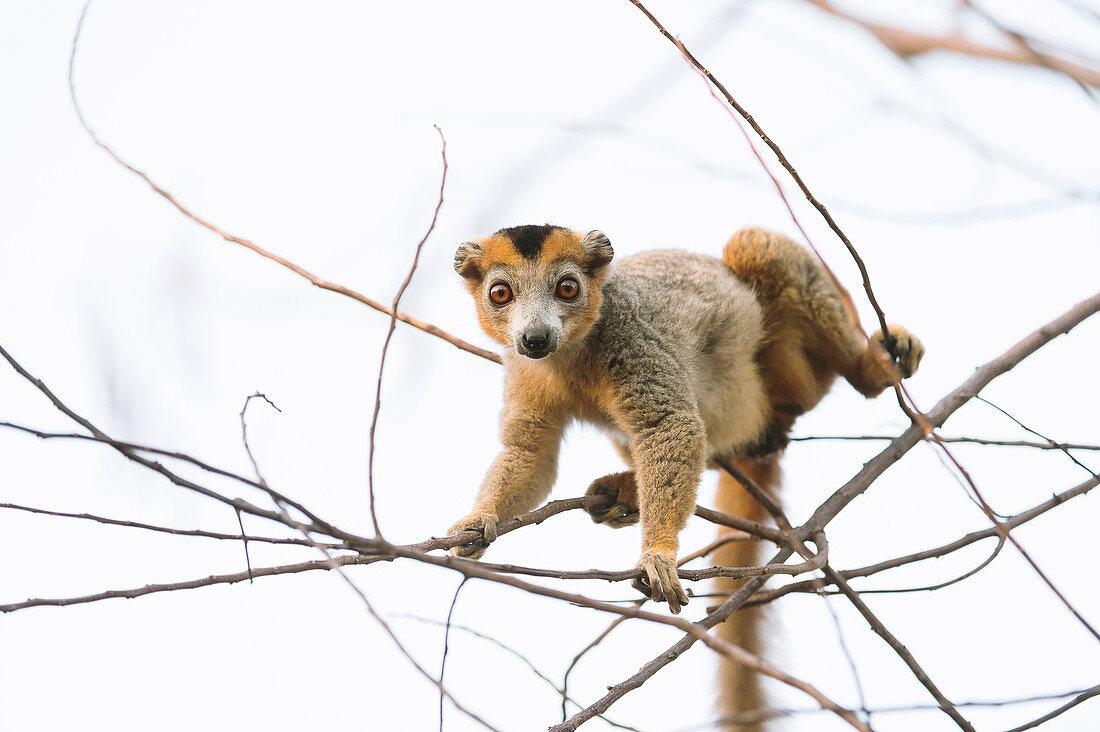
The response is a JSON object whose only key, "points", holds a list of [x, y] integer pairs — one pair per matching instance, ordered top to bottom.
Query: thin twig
{"points": [[779, 156], [301, 272], [389, 334], [974, 440], [167, 529], [219, 579], [446, 647], [512, 651], [584, 651], [1083, 696]]}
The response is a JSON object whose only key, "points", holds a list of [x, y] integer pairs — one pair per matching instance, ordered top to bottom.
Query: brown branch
{"points": [[906, 44], [779, 156], [247, 244], [386, 349], [948, 406], [972, 440], [1051, 444], [141, 448], [131, 454], [854, 487], [166, 529], [1005, 533], [795, 543], [814, 562], [333, 563], [220, 579], [696, 631], [447, 646], [512, 651], [581, 654], [1083, 696], [763, 715]]}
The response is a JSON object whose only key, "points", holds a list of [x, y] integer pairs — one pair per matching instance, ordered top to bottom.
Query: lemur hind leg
{"points": [[812, 327]]}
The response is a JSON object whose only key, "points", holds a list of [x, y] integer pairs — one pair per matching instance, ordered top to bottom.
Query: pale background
{"points": [[970, 189]]}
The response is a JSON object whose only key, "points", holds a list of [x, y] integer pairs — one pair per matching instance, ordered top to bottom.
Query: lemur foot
{"points": [[904, 348], [622, 489], [486, 523], [661, 582]]}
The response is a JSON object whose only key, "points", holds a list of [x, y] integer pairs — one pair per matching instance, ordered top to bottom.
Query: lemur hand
{"points": [[905, 349], [622, 507], [486, 523], [660, 581]]}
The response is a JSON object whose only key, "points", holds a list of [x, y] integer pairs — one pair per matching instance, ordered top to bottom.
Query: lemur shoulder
{"points": [[680, 358]]}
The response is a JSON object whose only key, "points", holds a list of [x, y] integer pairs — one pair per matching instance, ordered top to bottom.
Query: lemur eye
{"points": [[568, 288], [500, 293]]}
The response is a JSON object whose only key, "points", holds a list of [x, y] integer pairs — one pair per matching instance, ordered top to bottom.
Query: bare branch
{"points": [[907, 44], [247, 244], [389, 336], [971, 440], [166, 529], [220, 579], [1083, 696]]}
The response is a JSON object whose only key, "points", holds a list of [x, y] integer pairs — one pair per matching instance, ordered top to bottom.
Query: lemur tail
{"points": [[739, 688]]}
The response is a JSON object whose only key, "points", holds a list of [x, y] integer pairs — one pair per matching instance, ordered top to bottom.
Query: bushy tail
{"points": [[739, 688]]}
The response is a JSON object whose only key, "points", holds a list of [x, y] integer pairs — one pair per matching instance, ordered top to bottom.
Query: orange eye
{"points": [[568, 288], [500, 293]]}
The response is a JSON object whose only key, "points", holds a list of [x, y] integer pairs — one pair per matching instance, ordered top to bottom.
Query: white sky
{"points": [[308, 128]]}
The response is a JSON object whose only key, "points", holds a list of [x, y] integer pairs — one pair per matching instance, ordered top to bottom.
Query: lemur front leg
{"points": [[668, 446], [519, 479]]}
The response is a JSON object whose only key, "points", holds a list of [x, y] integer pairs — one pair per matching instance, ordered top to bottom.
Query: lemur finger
{"points": [[620, 488], [620, 516], [484, 523], [473, 550], [650, 584], [670, 584], [674, 592]]}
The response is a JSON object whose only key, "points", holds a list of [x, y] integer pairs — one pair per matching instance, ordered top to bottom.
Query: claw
{"points": [[904, 348], [661, 581]]}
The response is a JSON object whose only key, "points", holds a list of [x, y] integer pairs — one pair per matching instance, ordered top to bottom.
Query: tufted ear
{"points": [[598, 247], [468, 260]]}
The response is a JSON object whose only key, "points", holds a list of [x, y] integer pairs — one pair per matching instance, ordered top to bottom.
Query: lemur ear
{"points": [[599, 250], [468, 260]]}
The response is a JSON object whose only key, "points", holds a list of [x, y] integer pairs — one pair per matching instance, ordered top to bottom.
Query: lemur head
{"points": [[537, 288]]}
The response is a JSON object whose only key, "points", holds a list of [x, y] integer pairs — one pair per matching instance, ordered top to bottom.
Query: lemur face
{"points": [[537, 288]]}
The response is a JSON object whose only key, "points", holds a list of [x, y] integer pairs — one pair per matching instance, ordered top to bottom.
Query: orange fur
{"points": [[739, 689]]}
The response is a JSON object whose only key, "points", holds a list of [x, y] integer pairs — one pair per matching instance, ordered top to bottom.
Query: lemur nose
{"points": [[536, 340]]}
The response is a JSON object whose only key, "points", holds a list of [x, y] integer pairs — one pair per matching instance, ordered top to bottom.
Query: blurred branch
{"points": [[906, 44], [233, 239]]}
